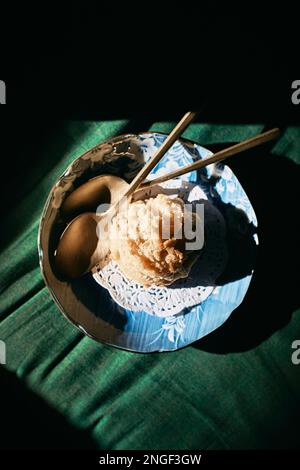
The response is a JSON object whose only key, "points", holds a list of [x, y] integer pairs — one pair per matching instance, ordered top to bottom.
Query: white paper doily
{"points": [[170, 300]]}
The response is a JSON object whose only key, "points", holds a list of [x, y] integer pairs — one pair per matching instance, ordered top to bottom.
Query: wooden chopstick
{"points": [[176, 132], [217, 157]]}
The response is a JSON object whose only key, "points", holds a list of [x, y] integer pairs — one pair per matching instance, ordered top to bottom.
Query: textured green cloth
{"points": [[204, 397]]}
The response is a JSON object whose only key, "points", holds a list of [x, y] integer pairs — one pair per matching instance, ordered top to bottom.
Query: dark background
{"points": [[97, 64]]}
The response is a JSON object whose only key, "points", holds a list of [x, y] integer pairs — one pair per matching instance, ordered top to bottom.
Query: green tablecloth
{"points": [[238, 388]]}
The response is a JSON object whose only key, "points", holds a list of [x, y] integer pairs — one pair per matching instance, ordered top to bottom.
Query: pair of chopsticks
{"points": [[177, 131]]}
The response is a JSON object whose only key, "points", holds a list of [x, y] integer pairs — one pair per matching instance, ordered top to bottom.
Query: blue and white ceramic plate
{"points": [[91, 308]]}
